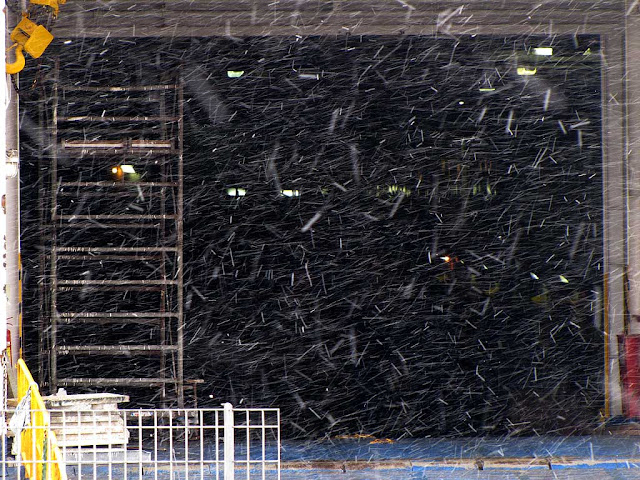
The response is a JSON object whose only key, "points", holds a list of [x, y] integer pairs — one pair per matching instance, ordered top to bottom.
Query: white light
{"points": [[67, 42], [543, 51], [527, 71], [235, 73], [309, 76], [487, 89], [460, 102], [12, 164], [127, 169], [11, 170], [236, 192], [290, 193], [534, 276], [563, 279]]}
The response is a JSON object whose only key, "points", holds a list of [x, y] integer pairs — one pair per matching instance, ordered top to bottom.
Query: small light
{"points": [[67, 42], [543, 51], [524, 71], [235, 73], [309, 76], [487, 89], [460, 102], [12, 164], [127, 169], [11, 170], [117, 172], [236, 192], [290, 193], [446, 258], [534, 276], [563, 279]]}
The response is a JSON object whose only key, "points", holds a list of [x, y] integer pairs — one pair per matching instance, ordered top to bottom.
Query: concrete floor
{"points": [[537, 474]]}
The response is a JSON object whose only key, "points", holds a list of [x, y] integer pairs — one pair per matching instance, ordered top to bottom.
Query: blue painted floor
{"points": [[587, 447], [539, 458], [569, 458], [569, 474]]}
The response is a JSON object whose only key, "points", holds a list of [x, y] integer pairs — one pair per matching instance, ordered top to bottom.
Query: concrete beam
{"points": [[181, 18]]}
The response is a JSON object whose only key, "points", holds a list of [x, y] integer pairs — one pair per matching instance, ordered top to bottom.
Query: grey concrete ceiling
{"points": [[157, 18]]}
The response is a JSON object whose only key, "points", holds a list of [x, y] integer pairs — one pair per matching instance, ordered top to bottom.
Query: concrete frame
{"points": [[617, 23]]}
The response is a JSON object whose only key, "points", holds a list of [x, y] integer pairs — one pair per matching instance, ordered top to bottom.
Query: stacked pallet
{"points": [[88, 420]]}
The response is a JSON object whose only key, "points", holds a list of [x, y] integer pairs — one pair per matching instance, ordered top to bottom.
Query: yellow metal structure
{"points": [[54, 4], [30, 37], [33, 37], [17, 65], [39, 449]]}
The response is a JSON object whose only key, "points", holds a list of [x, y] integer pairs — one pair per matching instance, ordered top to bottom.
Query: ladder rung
{"points": [[123, 88], [137, 118], [126, 143], [124, 152], [119, 184], [115, 217], [109, 225], [117, 249], [125, 258], [78, 282], [121, 288], [117, 314], [146, 318], [149, 322], [115, 349], [115, 382]]}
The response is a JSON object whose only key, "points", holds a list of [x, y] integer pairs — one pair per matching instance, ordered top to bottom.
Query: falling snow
{"points": [[394, 236]]}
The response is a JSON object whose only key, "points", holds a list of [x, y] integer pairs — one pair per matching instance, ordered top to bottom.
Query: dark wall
{"points": [[338, 304]]}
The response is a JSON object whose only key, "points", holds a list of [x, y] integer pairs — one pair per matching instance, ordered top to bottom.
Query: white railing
{"points": [[175, 444]]}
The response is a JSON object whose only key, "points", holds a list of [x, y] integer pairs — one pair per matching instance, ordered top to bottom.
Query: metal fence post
{"points": [[228, 442]]}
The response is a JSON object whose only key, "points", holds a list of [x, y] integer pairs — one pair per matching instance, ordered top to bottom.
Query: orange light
{"points": [[117, 173], [446, 259]]}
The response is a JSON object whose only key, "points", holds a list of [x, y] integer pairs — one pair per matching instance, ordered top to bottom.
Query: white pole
{"points": [[11, 181], [3, 217], [229, 453]]}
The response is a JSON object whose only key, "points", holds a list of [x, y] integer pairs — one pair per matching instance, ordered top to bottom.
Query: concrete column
{"points": [[632, 77], [632, 153], [11, 211], [615, 213], [3, 221]]}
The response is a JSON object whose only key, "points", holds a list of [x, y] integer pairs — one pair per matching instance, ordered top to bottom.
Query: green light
{"points": [[524, 71], [235, 73]]}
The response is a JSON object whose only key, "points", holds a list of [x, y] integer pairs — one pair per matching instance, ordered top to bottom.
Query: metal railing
{"points": [[35, 443], [172, 444]]}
